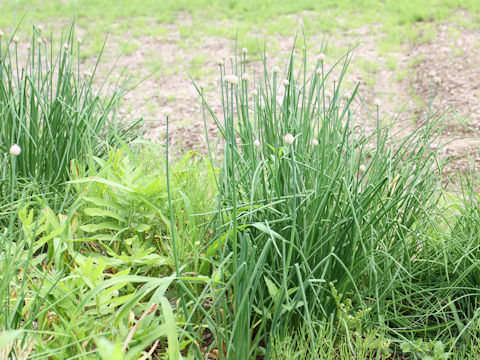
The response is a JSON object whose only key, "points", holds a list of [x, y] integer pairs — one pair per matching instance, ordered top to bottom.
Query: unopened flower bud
{"points": [[322, 57], [245, 77], [231, 79], [289, 139], [15, 150]]}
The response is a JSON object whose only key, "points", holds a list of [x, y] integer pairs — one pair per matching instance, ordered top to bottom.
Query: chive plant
{"points": [[52, 109], [307, 198]]}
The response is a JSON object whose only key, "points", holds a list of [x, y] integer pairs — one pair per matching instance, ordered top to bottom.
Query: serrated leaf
{"points": [[102, 212], [101, 226]]}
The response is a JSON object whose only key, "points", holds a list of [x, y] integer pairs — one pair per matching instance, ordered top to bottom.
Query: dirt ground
{"points": [[452, 57]]}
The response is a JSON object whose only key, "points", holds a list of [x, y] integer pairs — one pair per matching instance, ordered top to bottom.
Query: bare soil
{"points": [[453, 55]]}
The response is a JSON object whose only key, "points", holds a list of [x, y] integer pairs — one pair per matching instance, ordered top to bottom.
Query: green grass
{"points": [[395, 17], [298, 235]]}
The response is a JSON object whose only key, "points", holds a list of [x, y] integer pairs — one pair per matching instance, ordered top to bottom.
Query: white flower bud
{"points": [[39, 27], [1, 33], [15, 39], [79, 40], [40, 41], [65, 47], [244, 50], [322, 57], [220, 62], [276, 69], [319, 72], [432, 73], [87, 74], [245, 77], [231, 79], [437, 79], [285, 82], [254, 92], [328, 94], [348, 95], [377, 102], [167, 112], [289, 139], [314, 142], [256, 143], [15, 150], [362, 168], [115, 293]]}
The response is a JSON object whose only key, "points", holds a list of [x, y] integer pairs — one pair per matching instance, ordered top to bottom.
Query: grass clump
{"points": [[51, 109], [307, 198]]}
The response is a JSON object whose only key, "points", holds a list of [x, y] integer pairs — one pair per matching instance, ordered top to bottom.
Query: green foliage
{"points": [[51, 109], [307, 198]]}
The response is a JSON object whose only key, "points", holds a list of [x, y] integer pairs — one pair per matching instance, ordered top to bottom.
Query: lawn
{"points": [[239, 180]]}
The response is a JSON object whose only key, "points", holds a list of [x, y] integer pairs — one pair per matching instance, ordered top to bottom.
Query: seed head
{"points": [[15, 39], [244, 50], [322, 57], [276, 69], [245, 77], [231, 79], [437, 79], [285, 82], [377, 102], [289, 139], [314, 142], [256, 143], [15, 150]]}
